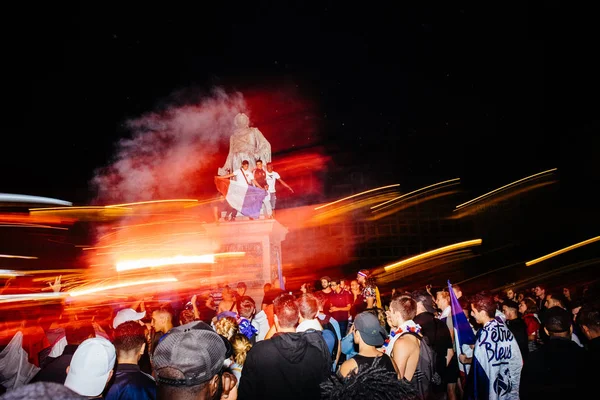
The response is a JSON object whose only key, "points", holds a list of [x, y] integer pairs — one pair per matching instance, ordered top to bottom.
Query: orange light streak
{"points": [[504, 187], [414, 192], [356, 195], [153, 202], [561, 251], [422, 256], [164, 261], [83, 292]]}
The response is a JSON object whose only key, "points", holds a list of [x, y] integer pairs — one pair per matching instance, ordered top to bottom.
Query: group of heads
{"points": [[259, 165]]}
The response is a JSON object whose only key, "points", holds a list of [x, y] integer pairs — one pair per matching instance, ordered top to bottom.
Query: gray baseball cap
{"points": [[195, 352]]}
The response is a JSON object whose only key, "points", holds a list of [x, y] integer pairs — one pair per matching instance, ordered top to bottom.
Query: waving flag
{"points": [[246, 199], [463, 333]]}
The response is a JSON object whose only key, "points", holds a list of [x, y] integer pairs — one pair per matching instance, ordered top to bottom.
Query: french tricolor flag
{"points": [[246, 199]]}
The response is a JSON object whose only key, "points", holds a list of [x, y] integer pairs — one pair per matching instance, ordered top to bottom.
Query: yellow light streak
{"points": [[504, 187], [414, 192], [356, 195], [152, 202], [42, 209], [9, 225], [561, 251], [422, 256], [21, 257], [164, 261], [83, 292]]}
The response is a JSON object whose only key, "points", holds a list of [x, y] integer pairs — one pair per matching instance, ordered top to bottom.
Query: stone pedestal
{"points": [[260, 240]]}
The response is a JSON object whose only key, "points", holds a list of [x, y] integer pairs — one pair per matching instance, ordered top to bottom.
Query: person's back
{"points": [[287, 366], [557, 370], [131, 383]]}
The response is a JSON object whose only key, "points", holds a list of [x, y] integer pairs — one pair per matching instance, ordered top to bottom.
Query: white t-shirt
{"points": [[239, 176], [271, 178]]}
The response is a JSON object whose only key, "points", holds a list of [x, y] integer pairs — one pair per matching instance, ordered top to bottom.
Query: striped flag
{"points": [[244, 198], [463, 333]]}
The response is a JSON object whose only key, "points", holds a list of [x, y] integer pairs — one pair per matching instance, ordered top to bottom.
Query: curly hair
{"points": [[227, 327], [241, 346], [374, 382]]}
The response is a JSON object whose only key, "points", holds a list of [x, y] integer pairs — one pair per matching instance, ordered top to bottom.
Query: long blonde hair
{"points": [[241, 346]]}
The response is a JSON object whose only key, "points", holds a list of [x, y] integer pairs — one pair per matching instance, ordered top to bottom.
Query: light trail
{"points": [[503, 187], [414, 192], [356, 195], [23, 198], [153, 202], [441, 250], [561, 251], [20, 257], [164, 261], [83, 292], [9, 298]]}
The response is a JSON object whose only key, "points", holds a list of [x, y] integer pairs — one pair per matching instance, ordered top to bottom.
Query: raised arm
{"points": [[286, 185]]}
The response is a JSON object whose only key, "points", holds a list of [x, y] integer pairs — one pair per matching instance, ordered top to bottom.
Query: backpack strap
{"points": [[244, 175], [412, 334]]}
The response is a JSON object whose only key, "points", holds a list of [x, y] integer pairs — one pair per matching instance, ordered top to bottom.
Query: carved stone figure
{"points": [[246, 143]]}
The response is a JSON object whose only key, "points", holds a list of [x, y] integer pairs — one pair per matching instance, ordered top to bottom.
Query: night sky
{"points": [[408, 93]]}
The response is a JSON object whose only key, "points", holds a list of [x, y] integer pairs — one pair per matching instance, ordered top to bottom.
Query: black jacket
{"points": [[287, 366], [130, 383]]}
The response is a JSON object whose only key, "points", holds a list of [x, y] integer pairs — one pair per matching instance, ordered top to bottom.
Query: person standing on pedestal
{"points": [[272, 178]]}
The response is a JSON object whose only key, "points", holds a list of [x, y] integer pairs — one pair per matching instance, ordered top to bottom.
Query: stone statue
{"points": [[246, 143]]}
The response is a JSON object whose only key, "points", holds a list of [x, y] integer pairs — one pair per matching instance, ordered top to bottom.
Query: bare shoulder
{"points": [[407, 342]]}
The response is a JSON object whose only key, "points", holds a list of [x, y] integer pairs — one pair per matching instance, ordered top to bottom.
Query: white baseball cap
{"points": [[127, 314], [90, 366]]}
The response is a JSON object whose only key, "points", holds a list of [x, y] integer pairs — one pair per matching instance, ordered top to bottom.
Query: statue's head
{"points": [[241, 121]]}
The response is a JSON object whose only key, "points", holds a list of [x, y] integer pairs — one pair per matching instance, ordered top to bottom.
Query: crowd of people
{"points": [[340, 338]]}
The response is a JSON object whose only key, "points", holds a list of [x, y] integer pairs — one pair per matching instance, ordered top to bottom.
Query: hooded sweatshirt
{"points": [[287, 366]]}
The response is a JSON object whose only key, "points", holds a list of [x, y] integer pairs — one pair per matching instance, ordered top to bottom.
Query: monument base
{"points": [[260, 241]]}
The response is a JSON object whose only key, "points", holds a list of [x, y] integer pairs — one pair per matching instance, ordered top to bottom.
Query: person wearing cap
{"points": [[325, 284], [127, 314], [369, 335], [189, 364], [91, 367], [55, 368], [557, 370]]}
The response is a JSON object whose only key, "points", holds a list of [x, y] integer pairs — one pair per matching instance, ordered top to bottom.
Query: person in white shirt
{"points": [[272, 178]]}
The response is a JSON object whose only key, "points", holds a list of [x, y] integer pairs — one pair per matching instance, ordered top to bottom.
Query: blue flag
{"points": [[462, 328]]}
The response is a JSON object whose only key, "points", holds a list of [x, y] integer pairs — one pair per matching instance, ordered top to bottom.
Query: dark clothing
{"points": [[260, 176], [272, 295], [358, 305], [518, 327], [438, 336], [365, 362], [287, 366], [56, 370], [555, 371], [130, 383]]}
